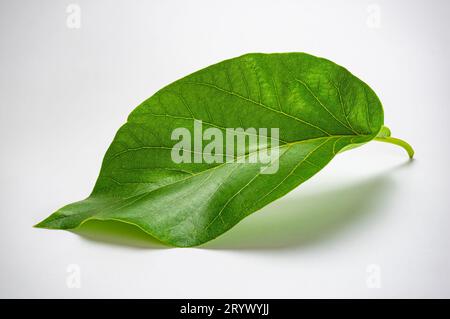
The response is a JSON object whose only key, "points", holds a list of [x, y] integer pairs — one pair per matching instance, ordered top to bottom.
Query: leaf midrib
{"points": [[235, 159]]}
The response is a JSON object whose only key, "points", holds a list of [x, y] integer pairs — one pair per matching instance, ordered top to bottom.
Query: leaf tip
{"points": [[42, 224]]}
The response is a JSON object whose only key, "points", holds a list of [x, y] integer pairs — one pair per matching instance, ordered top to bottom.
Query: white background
{"points": [[371, 216]]}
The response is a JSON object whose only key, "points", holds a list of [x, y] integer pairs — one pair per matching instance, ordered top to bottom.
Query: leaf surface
{"points": [[318, 106]]}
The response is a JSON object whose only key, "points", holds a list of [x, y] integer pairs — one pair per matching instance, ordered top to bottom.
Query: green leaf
{"points": [[319, 107]]}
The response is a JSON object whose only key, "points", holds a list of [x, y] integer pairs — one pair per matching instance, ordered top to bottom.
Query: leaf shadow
{"points": [[309, 219], [287, 223], [117, 233]]}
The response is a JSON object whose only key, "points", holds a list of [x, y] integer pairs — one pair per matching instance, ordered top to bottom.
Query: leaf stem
{"points": [[408, 148]]}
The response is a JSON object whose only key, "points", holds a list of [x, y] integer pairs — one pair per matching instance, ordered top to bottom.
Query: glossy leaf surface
{"points": [[318, 107]]}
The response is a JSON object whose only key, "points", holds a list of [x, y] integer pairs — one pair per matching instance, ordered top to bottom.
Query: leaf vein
{"points": [[258, 103]]}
